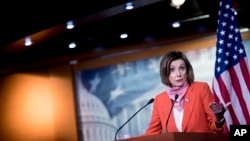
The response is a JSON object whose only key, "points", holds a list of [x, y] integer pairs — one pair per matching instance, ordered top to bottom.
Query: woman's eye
{"points": [[182, 68], [171, 69]]}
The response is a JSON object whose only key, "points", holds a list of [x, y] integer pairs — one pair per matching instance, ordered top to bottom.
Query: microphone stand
{"points": [[175, 98], [149, 102]]}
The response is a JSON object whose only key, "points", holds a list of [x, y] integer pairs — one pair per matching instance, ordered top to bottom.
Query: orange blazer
{"points": [[197, 116]]}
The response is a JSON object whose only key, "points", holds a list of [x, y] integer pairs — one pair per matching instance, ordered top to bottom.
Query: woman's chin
{"points": [[178, 84]]}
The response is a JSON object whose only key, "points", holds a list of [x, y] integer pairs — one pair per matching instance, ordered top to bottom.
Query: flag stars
{"points": [[221, 3], [227, 6], [233, 10], [225, 15], [232, 18], [224, 24], [231, 27], [236, 30], [222, 32], [230, 36], [221, 42], [229, 45], [235, 48], [219, 50], [241, 51], [227, 53], [235, 57], [219, 60], [226, 62], [218, 69]]}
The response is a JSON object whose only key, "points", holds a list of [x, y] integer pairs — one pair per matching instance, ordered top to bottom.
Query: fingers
{"points": [[227, 104], [213, 105], [216, 105]]}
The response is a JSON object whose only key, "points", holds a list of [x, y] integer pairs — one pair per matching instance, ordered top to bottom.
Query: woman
{"points": [[194, 109]]}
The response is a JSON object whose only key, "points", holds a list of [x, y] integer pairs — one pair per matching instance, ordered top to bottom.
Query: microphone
{"points": [[175, 98], [149, 102]]}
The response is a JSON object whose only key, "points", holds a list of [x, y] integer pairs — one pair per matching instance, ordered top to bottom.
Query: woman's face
{"points": [[178, 73]]}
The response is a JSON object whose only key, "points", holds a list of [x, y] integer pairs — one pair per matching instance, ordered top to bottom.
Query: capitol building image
{"points": [[95, 122]]}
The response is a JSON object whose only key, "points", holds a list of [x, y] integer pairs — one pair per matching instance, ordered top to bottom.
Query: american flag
{"points": [[231, 81]]}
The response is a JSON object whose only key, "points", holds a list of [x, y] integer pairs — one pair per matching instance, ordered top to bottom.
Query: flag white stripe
{"points": [[246, 60], [243, 86], [218, 92], [233, 97]]}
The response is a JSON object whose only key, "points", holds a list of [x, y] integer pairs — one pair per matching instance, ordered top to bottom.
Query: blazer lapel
{"points": [[189, 101], [166, 111]]}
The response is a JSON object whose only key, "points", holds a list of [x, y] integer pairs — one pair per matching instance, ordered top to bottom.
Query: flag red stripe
{"points": [[245, 73], [237, 88], [216, 98], [226, 98], [226, 130]]}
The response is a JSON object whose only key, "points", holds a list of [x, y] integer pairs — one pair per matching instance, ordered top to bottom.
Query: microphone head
{"points": [[176, 96], [151, 101]]}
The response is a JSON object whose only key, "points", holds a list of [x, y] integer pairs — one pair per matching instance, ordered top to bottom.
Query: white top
{"points": [[178, 116]]}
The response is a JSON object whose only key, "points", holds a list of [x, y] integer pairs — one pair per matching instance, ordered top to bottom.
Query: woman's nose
{"points": [[178, 73]]}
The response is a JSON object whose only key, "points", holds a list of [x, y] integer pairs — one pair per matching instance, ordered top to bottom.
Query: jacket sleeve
{"points": [[207, 98], [155, 122]]}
